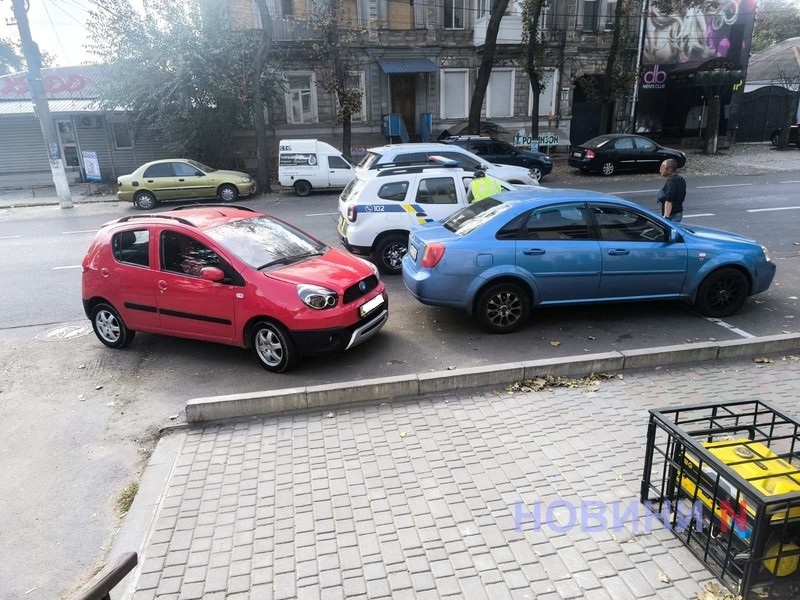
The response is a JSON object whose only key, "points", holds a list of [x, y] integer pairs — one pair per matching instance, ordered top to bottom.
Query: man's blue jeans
{"points": [[677, 217]]}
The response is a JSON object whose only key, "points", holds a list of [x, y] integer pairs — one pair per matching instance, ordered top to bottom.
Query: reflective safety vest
{"points": [[483, 187]]}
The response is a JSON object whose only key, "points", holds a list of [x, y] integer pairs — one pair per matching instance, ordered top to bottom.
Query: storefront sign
{"points": [[91, 166]]}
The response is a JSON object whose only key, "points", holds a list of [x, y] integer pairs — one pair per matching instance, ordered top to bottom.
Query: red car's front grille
{"points": [[354, 292]]}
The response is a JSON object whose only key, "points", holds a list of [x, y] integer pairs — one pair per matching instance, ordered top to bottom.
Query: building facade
{"points": [[420, 61], [72, 93]]}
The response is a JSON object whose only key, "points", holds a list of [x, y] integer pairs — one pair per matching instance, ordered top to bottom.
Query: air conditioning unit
{"points": [[90, 122]]}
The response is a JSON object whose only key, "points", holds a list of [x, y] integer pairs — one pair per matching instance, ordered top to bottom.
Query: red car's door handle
{"points": [[162, 285]]}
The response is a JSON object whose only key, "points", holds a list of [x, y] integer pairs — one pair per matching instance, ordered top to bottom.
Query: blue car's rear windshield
{"points": [[473, 216]]}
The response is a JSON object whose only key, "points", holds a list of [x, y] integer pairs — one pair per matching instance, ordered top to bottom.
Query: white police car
{"points": [[414, 153], [379, 207]]}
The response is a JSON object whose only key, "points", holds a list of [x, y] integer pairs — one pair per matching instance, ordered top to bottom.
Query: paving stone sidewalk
{"points": [[416, 499]]}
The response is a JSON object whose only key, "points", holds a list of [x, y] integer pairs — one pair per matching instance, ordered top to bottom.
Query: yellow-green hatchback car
{"points": [[181, 179]]}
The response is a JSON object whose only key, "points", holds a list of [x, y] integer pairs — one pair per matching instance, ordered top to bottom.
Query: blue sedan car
{"points": [[502, 256]]}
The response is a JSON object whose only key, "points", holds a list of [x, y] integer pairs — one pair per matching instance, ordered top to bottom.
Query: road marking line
{"points": [[795, 181], [708, 187], [636, 191], [771, 209], [321, 214], [698, 215], [84, 231], [9, 237], [68, 267], [730, 327]]}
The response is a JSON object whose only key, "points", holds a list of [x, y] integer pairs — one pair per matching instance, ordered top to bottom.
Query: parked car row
{"points": [[307, 165], [229, 274]]}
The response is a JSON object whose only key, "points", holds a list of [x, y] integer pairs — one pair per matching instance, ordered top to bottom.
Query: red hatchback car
{"points": [[231, 275]]}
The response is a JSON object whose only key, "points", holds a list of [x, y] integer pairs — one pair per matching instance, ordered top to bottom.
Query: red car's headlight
{"points": [[316, 297]]}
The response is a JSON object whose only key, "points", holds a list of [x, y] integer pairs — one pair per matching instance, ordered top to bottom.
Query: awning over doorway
{"points": [[397, 66]]}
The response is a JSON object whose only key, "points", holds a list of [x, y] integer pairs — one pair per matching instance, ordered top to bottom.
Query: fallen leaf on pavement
{"points": [[592, 337], [555, 343], [791, 357], [762, 360], [451, 367], [98, 387], [329, 415], [403, 434], [663, 577], [714, 591]]}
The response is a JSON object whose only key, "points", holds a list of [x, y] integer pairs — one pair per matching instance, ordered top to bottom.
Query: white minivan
{"points": [[310, 164]]}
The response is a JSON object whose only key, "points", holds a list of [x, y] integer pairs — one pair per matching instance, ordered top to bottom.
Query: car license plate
{"points": [[576, 154], [342, 225], [412, 250], [368, 307]]}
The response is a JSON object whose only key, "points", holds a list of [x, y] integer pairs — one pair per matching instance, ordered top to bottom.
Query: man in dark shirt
{"points": [[673, 193]]}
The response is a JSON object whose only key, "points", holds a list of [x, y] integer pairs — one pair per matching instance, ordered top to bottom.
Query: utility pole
{"points": [[36, 87]]}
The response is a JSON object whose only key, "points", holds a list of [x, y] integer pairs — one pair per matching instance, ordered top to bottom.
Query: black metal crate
{"points": [[725, 478]]}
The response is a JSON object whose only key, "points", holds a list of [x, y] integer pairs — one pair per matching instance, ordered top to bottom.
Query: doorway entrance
{"points": [[403, 91]]}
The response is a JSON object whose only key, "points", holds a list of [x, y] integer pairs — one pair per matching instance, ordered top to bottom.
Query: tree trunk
{"points": [[531, 66], [485, 69], [606, 99], [257, 105], [787, 119], [712, 124]]}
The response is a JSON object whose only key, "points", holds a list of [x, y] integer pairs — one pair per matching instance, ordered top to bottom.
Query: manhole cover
{"points": [[69, 331]]}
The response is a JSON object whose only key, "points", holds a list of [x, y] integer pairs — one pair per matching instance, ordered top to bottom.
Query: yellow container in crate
{"points": [[766, 472]]}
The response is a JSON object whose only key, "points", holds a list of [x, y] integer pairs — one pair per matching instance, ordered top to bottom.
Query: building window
{"points": [[294, 8], [483, 9], [454, 14], [589, 15], [545, 18], [608, 20], [355, 81], [455, 93], [500, 93], [548, 96], [301, 98], [121, 134]]}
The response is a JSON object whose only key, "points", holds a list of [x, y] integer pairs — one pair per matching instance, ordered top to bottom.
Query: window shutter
{"points": [[454, 86], [501, 94]]}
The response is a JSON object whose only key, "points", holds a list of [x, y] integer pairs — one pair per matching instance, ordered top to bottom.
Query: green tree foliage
{"points": [[776, 20], [337, 37], [10, 57], [179, 69]]}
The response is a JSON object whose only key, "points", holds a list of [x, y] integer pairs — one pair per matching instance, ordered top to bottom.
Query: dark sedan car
{"points": [[793, 137], [614, 152], [503, 153]]}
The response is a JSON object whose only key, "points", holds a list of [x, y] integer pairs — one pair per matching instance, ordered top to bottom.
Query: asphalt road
{"points": [[77, 420]]}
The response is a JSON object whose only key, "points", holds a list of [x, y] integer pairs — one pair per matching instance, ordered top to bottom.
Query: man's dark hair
{"points": [[479, 173]]}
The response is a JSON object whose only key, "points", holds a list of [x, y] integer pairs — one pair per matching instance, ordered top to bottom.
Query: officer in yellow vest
{"points": [[482, 187]]}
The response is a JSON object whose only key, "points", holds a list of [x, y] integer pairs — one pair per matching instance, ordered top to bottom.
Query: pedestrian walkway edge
{"points": [[218, 408], [137, 525]]}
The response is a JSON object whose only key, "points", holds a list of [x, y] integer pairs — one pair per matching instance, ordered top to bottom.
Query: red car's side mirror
{"points": [[212, 274]]}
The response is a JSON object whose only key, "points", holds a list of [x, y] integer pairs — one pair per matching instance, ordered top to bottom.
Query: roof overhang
{"points": [[398, 66], [25, 107]]}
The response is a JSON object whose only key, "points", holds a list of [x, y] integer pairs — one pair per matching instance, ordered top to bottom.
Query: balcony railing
{"points": [[298, 30]]}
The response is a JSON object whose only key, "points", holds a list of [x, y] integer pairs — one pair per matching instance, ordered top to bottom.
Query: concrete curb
{"points": [[217, 408]]}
